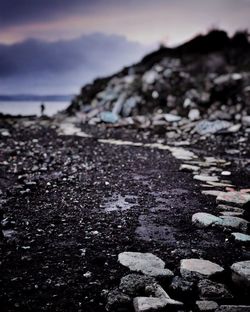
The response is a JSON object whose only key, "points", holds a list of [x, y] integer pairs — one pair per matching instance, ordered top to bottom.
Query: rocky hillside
{"points": [[207, 77]]}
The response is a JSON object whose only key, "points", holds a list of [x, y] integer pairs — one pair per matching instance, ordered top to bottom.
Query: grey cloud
{"points": [[64, 64]]}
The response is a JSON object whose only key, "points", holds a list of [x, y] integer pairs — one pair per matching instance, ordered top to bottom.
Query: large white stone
{"points": [[233, 198], [203, 219], [242, 238], [146, 263], [199, 268], [241, 274]]}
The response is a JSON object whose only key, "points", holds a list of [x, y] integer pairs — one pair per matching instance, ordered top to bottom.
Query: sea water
{"points": [[31, 108]]}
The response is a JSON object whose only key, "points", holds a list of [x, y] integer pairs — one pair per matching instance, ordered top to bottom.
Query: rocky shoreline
{"points": [[137, 197], [73, 203]]}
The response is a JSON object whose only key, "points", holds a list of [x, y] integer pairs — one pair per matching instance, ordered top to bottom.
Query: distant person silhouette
{"points": [[42, 109]]}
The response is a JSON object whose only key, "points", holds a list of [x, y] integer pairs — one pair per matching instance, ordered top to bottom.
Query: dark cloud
{"points": [[64, 64]]}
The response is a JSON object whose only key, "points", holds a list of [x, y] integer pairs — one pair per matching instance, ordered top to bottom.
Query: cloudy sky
{"points": [[55, 46]]}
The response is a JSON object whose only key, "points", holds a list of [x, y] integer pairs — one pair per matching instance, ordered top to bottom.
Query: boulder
{"points": [[203, 220], [145, 263], [199, 268], [241, 274]]}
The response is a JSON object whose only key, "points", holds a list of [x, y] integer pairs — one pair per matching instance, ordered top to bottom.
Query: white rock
{"points": [[150, 77], [194, 114], [172, 118], [246, 121], [186, 167], [226, 173], [205, 178], [234, 198], [203, 219], [234, 223], [243, 238], [145, 263], [199, 268], [241, 274], [147, 304], [206, 305]]}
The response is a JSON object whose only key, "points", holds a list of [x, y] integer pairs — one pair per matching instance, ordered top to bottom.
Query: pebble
{"points": [[199, 268]]}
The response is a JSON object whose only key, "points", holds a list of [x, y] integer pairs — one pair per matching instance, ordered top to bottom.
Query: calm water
{"points": [[31, 108]]}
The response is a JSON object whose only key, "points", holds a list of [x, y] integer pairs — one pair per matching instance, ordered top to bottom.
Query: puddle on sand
{"points": [[119, 202]]}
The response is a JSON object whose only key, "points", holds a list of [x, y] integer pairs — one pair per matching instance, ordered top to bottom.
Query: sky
{"points": [[56, 46]]}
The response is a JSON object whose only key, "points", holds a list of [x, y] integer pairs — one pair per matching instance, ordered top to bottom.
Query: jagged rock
{"points": [[109, 117], [209, 127], [238, 199], [203, 219], [234, 223], [242, 238], [145, 263], [199, 268], [241, 274], [134, 284], [213, 291], [118, 301], [157, 301], [148, 304], [207, 306], [233, 308]]}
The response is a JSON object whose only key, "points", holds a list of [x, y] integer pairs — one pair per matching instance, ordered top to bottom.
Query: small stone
{"points": [[194, 114], [109, 117], [172, 118], [208, 127], [186, 167], [225, 173], [205, 178], [203, 220], [242, 238], [145, 263], [199, 268], [241, 274], [214, 291], [206, 306], [233, 308]]}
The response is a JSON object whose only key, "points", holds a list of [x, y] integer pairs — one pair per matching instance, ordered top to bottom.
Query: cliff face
{"points": [[204, 74]]}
